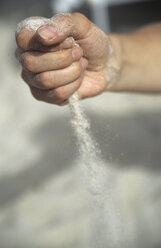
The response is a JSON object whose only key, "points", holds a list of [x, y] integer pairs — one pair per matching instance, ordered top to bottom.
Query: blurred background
{"points": [[42, 201]]}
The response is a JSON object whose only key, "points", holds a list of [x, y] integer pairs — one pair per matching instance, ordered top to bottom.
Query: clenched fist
{"points": [[62, 55]]}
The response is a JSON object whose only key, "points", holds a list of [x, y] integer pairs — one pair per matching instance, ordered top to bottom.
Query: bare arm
{"points": [[140, 60]]}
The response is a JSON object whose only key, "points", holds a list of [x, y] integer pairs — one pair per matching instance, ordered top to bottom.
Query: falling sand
{"points": [[98, 180]]}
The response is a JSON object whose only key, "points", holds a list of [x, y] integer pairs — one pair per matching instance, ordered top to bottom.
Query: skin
{"points": [[54, 67]]}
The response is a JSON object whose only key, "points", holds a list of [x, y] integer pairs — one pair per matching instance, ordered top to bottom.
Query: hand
{"points": [[54, 67]]}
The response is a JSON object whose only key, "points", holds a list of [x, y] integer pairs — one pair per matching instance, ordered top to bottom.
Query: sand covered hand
{"points": [[62, 55]]}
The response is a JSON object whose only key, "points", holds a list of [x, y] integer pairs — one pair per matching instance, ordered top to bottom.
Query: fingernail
{"points": [[47, 32], [67, 43], [76, 53], [84, 63]]}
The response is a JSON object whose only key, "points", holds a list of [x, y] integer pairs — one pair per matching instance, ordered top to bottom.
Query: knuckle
{"points": [[79, 14], [81, 17], [64, 19], [20, 40], [67, 43], [27, 61], [25, 76], [44, 79], [60, 93], [36, 94]]}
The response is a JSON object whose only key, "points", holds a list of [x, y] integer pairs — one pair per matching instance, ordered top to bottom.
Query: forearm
{"points": [[139, 56]]}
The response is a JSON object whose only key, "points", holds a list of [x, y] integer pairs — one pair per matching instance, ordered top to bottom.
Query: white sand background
{"points": [[43, 203]]}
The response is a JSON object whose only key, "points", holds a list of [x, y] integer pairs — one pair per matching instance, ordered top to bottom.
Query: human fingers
{"points": [[62, 26], [25, 33], [27, 40], [37, 62], [53, 79], [59, 95]]}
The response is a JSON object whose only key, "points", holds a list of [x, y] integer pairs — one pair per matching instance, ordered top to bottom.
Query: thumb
{"points": [[62, 26]]}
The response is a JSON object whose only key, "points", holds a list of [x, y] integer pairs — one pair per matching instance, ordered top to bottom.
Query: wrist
{"points": [[114, 63]]}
